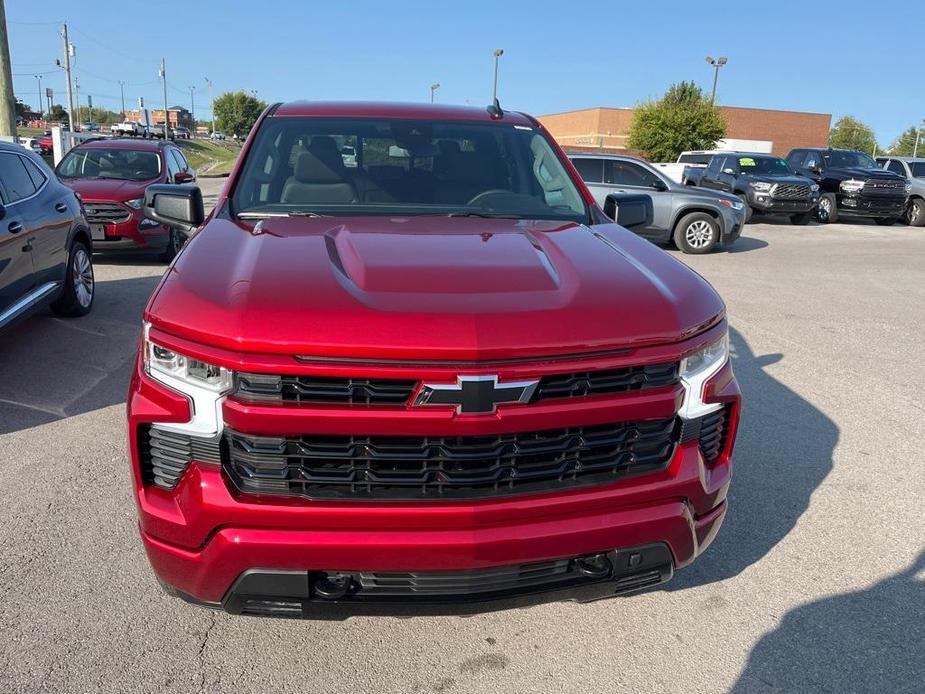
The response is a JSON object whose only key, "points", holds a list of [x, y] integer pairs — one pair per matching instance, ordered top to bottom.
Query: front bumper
{"points": [[767, 204], [867, 206], [732, 223], [135, 233], [205, 537]]}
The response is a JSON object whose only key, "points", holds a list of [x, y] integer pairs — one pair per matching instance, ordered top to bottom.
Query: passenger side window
{"points": [[812, 160], [181, 161], [172, 166], [897, 167], [713, 168], [590, 170], [35, 173], [628, 174], [16, 179]]}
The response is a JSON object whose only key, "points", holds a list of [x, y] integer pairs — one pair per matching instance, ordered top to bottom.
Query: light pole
{"points": [[717, 63], [163, 77], [39, 78], [433, 88], [77, 89], [494, 91], [122, 92], [211, 104], [192, 105], [915, 147]]}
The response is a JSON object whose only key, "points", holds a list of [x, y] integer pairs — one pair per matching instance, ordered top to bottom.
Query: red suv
{"points": [[111, 176], [440, 374]]}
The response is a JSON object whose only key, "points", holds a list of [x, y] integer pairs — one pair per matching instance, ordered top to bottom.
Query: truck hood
{"points": [[860, 174], [787, 180], [107, 189], [432, 288]]}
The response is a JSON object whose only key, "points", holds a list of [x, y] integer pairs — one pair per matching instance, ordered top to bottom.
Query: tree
{"points": [[21, 108], [236, 112], [57, 114], [682, 119], [850, 133], [904, 145]]}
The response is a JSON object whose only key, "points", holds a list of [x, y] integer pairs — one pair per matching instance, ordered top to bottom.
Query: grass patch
{"points": [[209, 157]]}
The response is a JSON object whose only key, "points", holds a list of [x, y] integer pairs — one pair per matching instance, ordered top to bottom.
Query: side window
{"points": [[795, 158], [181, 160], [812, 160], [172, 166], [898, 167], [713, 168], [590, 170], [35, 173], [628, 174], [16, 179]]}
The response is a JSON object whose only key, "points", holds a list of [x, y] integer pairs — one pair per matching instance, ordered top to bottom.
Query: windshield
{"points": [[695, 158], [857, 160], [126, 164], [366, 166], [765, 166], [918, 169]]}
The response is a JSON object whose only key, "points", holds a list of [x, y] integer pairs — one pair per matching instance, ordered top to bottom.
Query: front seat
{"points": [[315, 182]]}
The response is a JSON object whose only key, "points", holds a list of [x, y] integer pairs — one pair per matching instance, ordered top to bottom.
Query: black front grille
{"points": [[875, 188], [790, 191], [106, 213], [383, 391], [713, 430], [165, 455], [445, 467]]}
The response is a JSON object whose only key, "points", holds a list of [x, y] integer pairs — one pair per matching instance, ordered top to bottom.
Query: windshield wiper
{"points": [[264, 215], [486, 215]]}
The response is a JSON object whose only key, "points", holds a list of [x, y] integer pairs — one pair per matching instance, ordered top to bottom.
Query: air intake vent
{"points": [[165, 455]]}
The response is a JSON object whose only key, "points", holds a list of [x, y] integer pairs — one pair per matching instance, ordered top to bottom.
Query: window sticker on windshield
{"points": [[746, 161]]}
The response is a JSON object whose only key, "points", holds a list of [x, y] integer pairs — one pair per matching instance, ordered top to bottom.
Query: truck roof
{"points": [[378, 109]]}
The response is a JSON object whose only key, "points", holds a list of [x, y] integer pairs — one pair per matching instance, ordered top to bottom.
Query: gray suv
{"points": [[914, 171], [696, 220]]}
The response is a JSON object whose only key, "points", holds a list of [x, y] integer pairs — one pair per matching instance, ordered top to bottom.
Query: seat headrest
{"points": [[325, 148], [310, 169]]}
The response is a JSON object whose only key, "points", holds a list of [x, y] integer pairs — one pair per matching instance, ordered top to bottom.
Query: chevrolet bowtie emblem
{"points": [[476, 394]]}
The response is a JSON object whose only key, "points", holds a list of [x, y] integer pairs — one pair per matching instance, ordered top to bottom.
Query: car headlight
{"points": [[760, 186], [852, 186], [814, 187], [908, 187], [135, 204], [734, 204], [696, 370]]}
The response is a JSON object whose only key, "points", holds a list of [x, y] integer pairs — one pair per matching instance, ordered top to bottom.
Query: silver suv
{"points": [[914, 171], [697, 220]]}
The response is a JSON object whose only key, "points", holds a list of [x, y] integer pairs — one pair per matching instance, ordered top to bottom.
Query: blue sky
{"points": [[558, 56]]}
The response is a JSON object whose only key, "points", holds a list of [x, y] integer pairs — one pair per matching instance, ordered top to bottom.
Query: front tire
{"points": [[828, 204], [915, 213], [697, 233], [175, 242], [79, 284]]}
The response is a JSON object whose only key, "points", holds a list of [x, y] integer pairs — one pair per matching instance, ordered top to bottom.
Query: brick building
{"points": [[179, 117], [606, 129]]}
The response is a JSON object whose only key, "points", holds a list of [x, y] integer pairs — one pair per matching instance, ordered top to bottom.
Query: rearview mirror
{"points": [[175, 205], [629, 209]]}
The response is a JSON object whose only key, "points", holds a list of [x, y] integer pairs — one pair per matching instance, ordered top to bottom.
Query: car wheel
{"points": [[828, 205], [748, 209], [915, 214], [803, 218], [886, 221], [697, 233], [175, 242], [79, 285]]}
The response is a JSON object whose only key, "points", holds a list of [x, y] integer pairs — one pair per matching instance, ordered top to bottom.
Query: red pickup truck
{"points": [[438, 375]]}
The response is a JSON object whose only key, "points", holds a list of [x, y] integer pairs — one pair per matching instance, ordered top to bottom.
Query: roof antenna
{"points": [[495, 109]]}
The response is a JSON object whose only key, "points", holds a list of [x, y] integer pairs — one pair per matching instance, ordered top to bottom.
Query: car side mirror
{"points": [[815, 169], [729, 172], [183, 177], [660, 185], [177, 206], [629, 209]]}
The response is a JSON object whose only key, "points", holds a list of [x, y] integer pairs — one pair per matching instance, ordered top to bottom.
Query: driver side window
{"points": [[628, 174]]}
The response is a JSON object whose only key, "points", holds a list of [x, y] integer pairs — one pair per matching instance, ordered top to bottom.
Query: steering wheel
{"points": [[478, 199]]}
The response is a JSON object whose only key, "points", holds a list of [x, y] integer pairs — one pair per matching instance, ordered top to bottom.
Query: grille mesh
{"points": [[106, 213], [165, 455]]}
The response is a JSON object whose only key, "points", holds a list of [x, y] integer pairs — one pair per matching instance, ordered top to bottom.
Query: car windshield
{"points": [[695, 158], [857, 160], [128, 164], [765, 166], [404, 167], [917, 169]]}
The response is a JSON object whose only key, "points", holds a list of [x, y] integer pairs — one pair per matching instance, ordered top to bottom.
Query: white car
{"points": [[128, 128], [217, 136], [30, 143]]}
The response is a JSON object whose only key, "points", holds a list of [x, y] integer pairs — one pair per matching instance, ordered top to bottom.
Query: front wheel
{"points": [[829, 207], [915, 213], [697, 233], [174, 243], [79, 285]]}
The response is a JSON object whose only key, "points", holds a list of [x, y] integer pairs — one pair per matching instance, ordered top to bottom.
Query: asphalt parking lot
{"points": [[816, 582]]}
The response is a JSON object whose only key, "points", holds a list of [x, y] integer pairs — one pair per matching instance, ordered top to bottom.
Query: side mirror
{"points": [[815, 169], [729, 172], [183, 177], [660, 185], [177, 206], [629, 209]]}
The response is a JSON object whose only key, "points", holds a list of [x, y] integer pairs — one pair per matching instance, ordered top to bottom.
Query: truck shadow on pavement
{"points": [[52, 368], [783, 453], [866, 641]]}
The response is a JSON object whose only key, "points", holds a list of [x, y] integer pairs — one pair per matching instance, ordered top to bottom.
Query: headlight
{"points": [[760, 186], [852, 186], [814, 187], [908, 187], [135, 204], [734, 204], [696, 370]]}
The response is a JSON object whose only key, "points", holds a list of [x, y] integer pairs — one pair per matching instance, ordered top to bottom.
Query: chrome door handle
{"points": [[61, 207], [14, 227]]}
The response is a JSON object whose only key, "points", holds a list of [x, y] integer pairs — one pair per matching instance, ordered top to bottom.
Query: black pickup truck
{"points": [[765, 183], [852, 183]]}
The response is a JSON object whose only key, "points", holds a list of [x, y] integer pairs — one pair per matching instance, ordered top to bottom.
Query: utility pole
{"points": [[717, 64], [163, 77], [67, 78], [77, 88], [494, 91], [122, 92], [7, 100], [41, 100], [211, 105], [192, 106], [915, 147]]}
